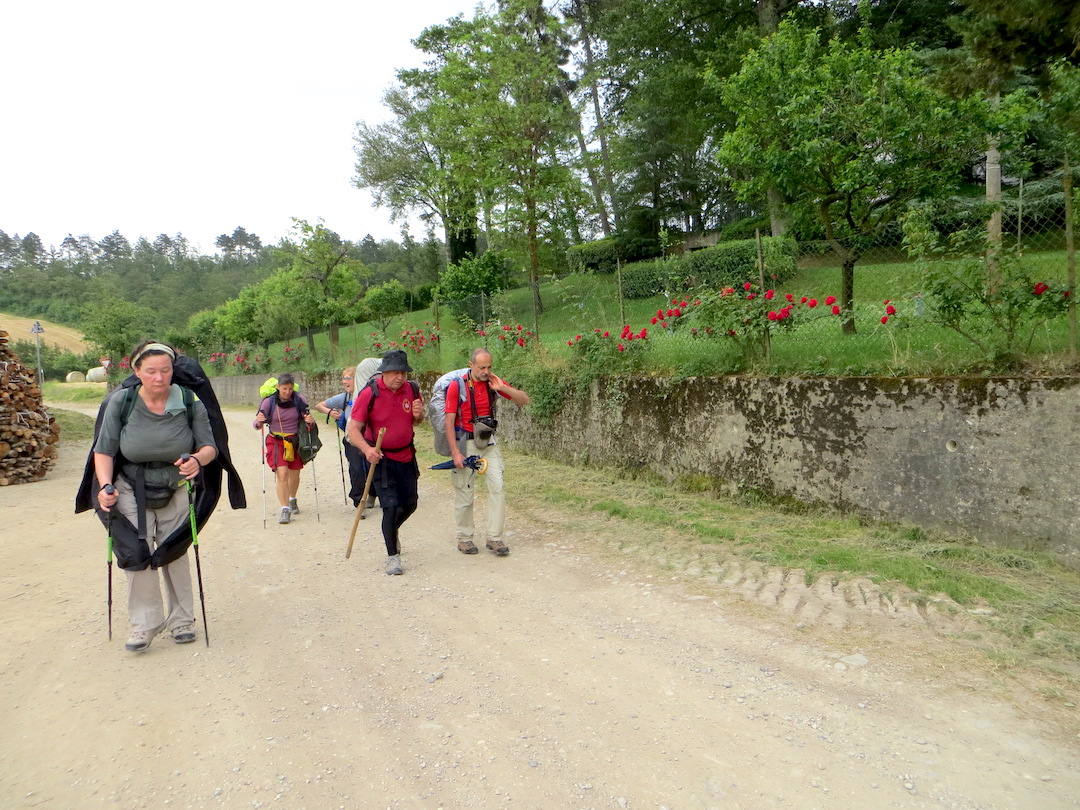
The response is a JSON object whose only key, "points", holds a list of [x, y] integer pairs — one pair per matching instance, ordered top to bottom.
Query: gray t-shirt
{"points": [[149, 437]]}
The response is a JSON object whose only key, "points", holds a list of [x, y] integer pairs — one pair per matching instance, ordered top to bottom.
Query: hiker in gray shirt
{"points": [[153, 441]]}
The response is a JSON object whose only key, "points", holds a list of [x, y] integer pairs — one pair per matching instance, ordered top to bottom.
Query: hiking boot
{"points": [[371, 502], [293, 507], [286, 515], [466, 547], [499, 547], [393, 565], [183, 633], [139, 640]]}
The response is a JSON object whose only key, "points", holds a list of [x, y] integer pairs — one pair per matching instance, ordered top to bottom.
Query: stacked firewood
{"points": [[28, 435]]}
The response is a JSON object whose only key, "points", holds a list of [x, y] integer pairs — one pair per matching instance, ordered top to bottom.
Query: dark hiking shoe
{"points": [[371, 502], [293, 507], [467, 547], [499, 547], [183, 633]]}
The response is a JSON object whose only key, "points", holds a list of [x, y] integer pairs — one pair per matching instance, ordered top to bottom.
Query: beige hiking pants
{"points": [[465, 481]]}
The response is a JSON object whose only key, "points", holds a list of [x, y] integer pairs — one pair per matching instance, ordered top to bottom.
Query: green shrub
{"points": [[745, 228], [600, 256], [731, 263], [649, 278], [463, 285], [421, 296]]}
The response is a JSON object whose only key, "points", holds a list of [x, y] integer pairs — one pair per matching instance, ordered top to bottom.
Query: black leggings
{"points": [[395, 482]]}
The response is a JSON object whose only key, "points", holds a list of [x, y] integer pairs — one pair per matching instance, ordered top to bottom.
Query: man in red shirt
{"points": [[394, 403], [470, 430]]}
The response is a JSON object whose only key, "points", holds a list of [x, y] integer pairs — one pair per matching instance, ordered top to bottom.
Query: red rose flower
{"points": [[769, 295], [830, 300], [812, 303], [836, 309], [890, 310], [884, 318]]}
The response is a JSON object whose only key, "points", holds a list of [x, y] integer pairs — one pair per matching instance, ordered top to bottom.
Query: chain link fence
{"points": [[955, 290]]}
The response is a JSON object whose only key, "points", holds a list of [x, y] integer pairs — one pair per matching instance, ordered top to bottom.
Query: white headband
{"points": [[153, 347]]}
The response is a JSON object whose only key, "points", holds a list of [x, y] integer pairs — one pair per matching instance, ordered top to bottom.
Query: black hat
{"points": [[395, 360]]}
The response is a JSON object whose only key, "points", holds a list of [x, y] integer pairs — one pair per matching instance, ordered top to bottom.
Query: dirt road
{"points": [[558, 677]]}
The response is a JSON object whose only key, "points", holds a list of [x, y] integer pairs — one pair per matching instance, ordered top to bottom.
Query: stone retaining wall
{"points": [[998, 459]]}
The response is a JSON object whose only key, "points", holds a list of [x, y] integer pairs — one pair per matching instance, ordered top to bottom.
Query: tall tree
{"points": [[667, 118], [851, 133], [324, 284]]}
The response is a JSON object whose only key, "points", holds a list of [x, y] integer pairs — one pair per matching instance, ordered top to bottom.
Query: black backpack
{"points": [[133, 553]]}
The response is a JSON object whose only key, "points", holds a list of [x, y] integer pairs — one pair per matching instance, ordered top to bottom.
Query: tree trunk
{"points": [[768, 12], [579, 13], [768, 24], [594, 181], [993, 197], [778, 216], [460, 244], [1070, 256], [847, 258], [534, 260], [847, 292], [334, 341], [311, 344]]}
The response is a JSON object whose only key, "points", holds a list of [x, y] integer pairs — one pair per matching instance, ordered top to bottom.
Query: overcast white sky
{"points": [[196, 117]]}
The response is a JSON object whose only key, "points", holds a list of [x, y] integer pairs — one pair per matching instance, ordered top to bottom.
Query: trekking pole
{"points": [[341, 452], [262, 463], [315, 484], [109, 490], [363, 500], [195, 543]]}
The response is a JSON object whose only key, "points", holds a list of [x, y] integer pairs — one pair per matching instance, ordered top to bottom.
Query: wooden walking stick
{"points": [[363, 501]]}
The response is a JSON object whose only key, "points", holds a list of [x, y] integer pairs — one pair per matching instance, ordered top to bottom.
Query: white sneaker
{"points": [[286, 515], [393, 565]]}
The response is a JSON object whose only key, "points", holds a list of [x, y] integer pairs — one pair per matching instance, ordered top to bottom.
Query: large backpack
{"points": [[373, 384], [437, 407], [131, 552]]}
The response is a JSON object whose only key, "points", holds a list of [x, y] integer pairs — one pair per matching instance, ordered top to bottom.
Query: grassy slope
{"points": [[578, 304], [63, 337]]}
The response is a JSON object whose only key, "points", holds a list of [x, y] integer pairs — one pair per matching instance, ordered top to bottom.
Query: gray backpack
{"points": [[437, 408]]}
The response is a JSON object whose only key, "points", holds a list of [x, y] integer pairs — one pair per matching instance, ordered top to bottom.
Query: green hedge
{"points": [[745, 228], [601, 256], [731, 263], [649, 278]]}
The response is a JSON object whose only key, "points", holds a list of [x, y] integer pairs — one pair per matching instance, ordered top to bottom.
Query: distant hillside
{"points": [[63, 337]]}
